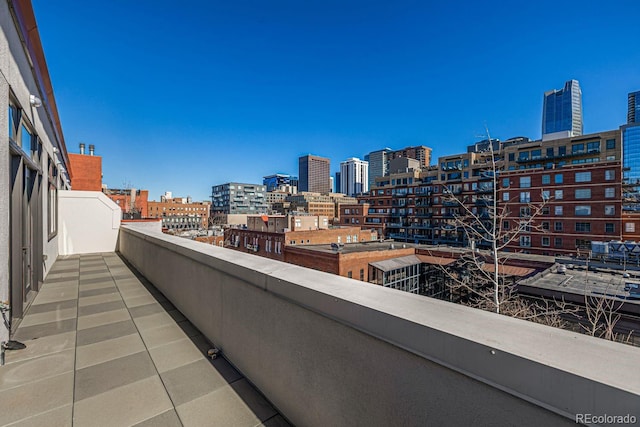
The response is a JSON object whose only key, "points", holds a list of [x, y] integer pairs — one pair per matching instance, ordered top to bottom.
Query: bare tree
{"points": [[490, 226], [601, 316]]}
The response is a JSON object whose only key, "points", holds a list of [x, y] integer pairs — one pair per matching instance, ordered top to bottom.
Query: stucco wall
{"points": [[88, 222], [332, 351]]}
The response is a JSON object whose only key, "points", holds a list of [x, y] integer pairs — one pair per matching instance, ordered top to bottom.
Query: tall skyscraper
{"points": [[562, 112], [633, 115], [631, 153], [378, 164], [314, 173], [354, 177]]}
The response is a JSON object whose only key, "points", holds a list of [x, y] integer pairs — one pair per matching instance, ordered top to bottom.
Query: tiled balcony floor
{"points": [[106, 348]]}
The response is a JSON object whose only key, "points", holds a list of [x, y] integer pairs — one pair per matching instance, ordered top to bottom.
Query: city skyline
{"points": [[270, 84]]}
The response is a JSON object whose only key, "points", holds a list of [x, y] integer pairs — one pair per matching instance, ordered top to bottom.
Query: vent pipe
{"points": [[82, 148], [92, 148]]}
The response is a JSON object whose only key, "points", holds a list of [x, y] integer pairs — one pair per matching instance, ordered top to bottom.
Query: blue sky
{"points": [[182, 96]]}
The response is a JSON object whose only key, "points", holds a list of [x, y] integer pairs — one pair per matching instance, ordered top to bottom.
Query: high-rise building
{"points": [[562, 112], [633, 115], [419, 153], [631, 153], [378, 164], [314, 173], [354, 177], [279, 180], [337, 182], [239, 198]]}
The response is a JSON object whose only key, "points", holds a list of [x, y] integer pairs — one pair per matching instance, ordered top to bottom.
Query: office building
{"points": [[562, 112], [419, 153], [631, 154], [378, 164], [314, 173], [354, 177], [337, 181], [281, 182], [239, 198], [180, 213]]}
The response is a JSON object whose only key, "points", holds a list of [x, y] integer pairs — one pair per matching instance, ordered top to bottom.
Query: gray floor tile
{"points": [[93, 292], [99, 299], [138, 301], [52, 306], [100, 308], [146, 310], [32, 319], [99, 319], [153, 321], [45, 329], [105, 332], [163, 335], [42, 347], [103, 351], [174, 355], [20, 373], [103, 377], [191, 381], [34, 398], [123, 406], [240, 406], [61, 416], [166, 419]]}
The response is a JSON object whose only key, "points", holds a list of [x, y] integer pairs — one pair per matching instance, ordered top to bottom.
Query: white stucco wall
{"points": [[88, 222]]}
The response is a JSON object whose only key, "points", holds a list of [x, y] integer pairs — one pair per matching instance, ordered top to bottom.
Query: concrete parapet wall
{"points": [[327, 350]]}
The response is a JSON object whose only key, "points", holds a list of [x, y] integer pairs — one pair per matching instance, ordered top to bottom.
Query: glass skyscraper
{"points": [[562, 112], [631, 153]]}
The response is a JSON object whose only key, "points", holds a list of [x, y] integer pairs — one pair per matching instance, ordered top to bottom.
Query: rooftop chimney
{"points": [[82, 148], [92, 148]]}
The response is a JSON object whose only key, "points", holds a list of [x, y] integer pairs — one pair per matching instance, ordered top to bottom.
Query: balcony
{"points": [[113, 328]]}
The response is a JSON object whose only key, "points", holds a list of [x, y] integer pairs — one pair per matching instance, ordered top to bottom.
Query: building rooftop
{"points": [[358, 247]]}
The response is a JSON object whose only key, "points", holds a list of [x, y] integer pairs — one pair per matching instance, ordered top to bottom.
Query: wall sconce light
{"points": [[35, 101]]}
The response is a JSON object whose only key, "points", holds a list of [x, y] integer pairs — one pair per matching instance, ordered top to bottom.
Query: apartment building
{"points": [[578, 179], [239, 198], [132, 201], [180, 213]]}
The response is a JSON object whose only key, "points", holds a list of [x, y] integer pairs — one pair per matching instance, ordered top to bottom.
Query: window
{"points": [[611, 144], [593, 146], [577, 148], [550, 152], [512, 157], [609, 175], [583, 176], [558, 178], [546, 179], [505, 182], [525, 182], [609, 192], [583, 193], [559, 194], [546, 195], [505, 196], [525, 197], [52, 208], [558, 210], [583, 210], [609, 210], [525, 212], [505, 225], [545, 225], [557, 226], [583, 227], [609, 227], [629, 227], [525, 241], [546, 241], [557, 242], [350, 274], [362, 274]]}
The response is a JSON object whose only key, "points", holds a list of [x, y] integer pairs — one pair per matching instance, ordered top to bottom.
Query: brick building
{"points": [[86, 170], [579, 178], [133, 202], [180, 213], [270, 235]]}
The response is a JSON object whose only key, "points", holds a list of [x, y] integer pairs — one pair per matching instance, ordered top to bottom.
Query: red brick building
{"points": [[86, 171], [134, 203], [180, 213]]}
